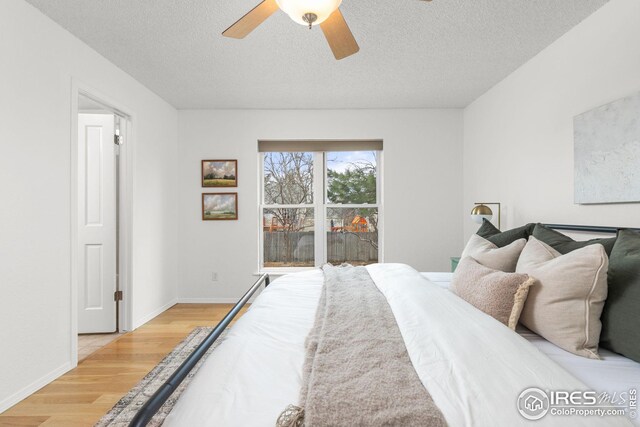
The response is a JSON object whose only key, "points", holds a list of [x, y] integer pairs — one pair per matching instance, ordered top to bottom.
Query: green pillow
{"points": [[487, 229], [503, 238], [565, 244], [621, 314]]}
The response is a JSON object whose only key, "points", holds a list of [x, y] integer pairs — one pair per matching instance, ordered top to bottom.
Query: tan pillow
{"points": [[489, 255], [501, 295], [565, 306]]}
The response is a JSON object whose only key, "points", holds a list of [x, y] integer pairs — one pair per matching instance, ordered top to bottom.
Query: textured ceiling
{"points": [[413, 54]]}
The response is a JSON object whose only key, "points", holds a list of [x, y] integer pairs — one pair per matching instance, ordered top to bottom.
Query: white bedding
{"points": [[256, 371], [614, 373]]}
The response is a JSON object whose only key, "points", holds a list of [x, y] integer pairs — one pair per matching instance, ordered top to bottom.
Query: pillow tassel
{"points": [[518, 301], [292, 416]]}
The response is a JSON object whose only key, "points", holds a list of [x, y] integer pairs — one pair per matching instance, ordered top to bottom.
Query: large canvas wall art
{"points": [[607, 153]]}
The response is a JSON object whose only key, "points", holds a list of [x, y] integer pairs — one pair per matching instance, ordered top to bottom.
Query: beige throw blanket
{"points": [[357, 370]]}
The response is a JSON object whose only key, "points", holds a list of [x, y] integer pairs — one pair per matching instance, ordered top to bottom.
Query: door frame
{"points": [[125, 209]]}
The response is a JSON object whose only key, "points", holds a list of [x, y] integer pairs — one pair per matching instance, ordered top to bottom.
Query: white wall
{"points": [[39, 60], [518, 137], [518, 149], [422, 187]]}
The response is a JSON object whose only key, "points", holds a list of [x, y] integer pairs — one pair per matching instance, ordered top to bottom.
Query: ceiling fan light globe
{"points": [[296, 9]]}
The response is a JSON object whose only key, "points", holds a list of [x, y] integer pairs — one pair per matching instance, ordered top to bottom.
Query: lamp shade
{"points": [[296, 9], [480, 212]]}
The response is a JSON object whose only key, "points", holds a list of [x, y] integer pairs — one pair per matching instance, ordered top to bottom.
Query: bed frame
{"points": [[589, 228], [155, 402]]}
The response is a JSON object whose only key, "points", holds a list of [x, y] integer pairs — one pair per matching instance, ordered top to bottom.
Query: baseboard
{"points": [[210, 300], [139, 322], [33, 387]]}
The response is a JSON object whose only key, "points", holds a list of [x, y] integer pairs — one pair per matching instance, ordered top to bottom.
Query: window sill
{"points": [[282, 271]]}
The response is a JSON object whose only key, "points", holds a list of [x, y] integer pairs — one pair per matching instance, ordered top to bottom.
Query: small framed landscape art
{"points": [[219, 173], [219, 206]]}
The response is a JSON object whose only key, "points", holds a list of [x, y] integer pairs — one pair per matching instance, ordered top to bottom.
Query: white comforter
{"points": [[473, 366]]}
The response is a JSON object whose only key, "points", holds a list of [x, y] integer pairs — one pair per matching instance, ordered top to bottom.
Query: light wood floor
{"points": [[90, 343], [82, 396]]}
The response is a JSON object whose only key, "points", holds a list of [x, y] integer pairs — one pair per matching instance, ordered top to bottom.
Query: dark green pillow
{"points": [[487, 229], [503, 238], [565, 244], [621, 314]]}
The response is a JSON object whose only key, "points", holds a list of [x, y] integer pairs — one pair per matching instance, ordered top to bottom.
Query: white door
{"points": [[97, 223]]}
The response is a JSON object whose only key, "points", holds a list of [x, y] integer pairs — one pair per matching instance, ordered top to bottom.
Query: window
{"points": [[320, 206]]}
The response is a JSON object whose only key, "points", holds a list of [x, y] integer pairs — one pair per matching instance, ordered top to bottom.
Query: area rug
{"points": [[123, 412]]}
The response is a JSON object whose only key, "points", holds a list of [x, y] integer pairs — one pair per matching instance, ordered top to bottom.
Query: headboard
{"points": [[589, 228]]}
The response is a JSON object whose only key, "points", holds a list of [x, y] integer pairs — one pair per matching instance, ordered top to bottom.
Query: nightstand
{"points": [[454, 263]]}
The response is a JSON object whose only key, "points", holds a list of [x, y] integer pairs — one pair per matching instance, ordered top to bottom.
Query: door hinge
{"points": [[117, 139], [117, 296]]}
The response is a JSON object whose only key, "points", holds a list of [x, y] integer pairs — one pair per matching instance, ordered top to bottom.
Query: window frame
{"points": [[319, 206]]}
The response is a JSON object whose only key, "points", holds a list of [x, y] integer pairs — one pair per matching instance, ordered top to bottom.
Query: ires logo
{"points": [[565, 398], [534, 403]]}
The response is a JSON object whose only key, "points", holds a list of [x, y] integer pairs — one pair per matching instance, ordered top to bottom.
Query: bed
{"points": [[257, 370]]}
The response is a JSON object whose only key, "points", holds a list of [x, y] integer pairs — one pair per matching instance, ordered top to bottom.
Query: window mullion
{"points": [[318, 202], [288, 206], [353, 206]]}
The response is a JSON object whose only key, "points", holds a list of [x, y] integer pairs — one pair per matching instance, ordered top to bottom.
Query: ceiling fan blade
{"points": [[251, 20], [339, 36]]}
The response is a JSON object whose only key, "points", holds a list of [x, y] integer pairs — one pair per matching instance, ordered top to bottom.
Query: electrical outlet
{"points": [[214, 277]]}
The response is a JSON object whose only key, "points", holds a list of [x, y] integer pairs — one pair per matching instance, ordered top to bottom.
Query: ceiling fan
{"points": [[325, 13]]}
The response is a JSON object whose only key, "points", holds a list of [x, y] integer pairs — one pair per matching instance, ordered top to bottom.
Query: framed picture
{"points": [[219, 173], [219, 206]]}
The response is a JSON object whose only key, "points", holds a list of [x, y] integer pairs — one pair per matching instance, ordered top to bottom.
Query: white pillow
{"points": [[491, 256], [565, 305]]}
